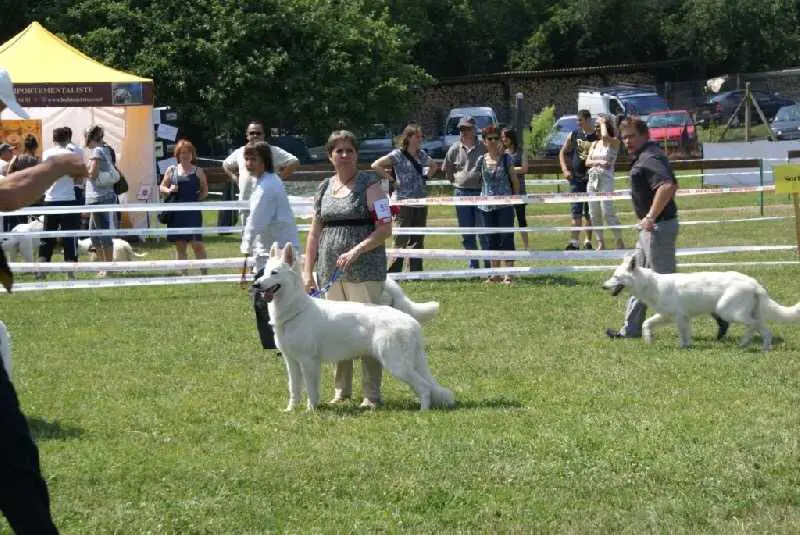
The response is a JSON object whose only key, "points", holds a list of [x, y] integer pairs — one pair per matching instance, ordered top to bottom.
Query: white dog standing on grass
{"points": [[678, 297], [309, 331]]}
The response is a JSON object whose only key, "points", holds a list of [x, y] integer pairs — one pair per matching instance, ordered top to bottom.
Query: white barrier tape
{"points": [[559, 198], [307, 202], [142, 231], [397, 231], [442, 231], [615, 254], [135, 265], [413, 275], [121, 283]]}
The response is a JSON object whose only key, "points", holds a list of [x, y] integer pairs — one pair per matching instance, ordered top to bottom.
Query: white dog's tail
{"points": [[139, 255], [772, 311], [421, 312], [5, 348]]}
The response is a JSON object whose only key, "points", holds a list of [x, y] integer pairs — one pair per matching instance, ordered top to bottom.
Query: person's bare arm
{"points": [[562, 157], [382, 165], [285, 171], [21, 188], [203, 193], [382, 232], [312, 245]]}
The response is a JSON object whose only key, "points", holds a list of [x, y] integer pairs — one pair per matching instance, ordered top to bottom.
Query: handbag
{"points": [[110, 177], [121, 185], [166, 217]]}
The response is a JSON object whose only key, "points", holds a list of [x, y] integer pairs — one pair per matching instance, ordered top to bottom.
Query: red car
{"points": [[672, 128]]}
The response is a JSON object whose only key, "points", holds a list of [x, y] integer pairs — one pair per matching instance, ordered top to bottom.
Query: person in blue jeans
{"points": [[573, 164], [460, 168], [498, 178]]}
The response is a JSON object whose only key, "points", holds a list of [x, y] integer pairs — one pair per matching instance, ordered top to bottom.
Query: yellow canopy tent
{"points": [[61, 86]]}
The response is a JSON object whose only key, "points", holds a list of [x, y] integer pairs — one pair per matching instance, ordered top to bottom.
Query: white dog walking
{"points": [[27, 246], [123, 252], [680, 296], [309, 331]]}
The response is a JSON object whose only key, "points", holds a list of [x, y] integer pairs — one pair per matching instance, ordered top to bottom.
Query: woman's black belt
{"points": [[347, 222]]}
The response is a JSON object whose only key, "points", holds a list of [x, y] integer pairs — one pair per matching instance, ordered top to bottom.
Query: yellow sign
{"points": [[14, 133], [787, 178]]}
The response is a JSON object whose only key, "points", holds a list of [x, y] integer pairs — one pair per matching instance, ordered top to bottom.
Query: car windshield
{"points": [[644, 104], [788, 113], [668, 120], [481, 122], [566, 125], [377, 131]]}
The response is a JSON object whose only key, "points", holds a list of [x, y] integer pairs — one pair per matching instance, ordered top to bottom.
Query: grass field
{"points": [[156, 410]]}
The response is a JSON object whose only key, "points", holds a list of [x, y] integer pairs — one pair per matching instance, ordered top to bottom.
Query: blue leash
{"points": [[337, 273]]}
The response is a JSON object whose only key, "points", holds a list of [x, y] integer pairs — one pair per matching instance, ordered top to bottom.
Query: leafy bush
{"points": [[541, 125]]}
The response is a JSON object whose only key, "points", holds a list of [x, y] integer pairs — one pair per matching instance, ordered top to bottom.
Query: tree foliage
{"points": [[308, 65]]}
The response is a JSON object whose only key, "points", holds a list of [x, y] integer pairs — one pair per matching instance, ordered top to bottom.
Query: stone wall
{"points": [[538, 91]]}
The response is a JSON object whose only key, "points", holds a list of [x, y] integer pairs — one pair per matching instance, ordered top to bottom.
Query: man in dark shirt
{"points": [[573, 164], [653, 187]]}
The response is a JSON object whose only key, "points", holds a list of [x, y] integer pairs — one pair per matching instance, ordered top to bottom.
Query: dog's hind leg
{"points": [[657, 320], [684, 324], [722, 326], [402, 370], [312, 376], [295, 382]]}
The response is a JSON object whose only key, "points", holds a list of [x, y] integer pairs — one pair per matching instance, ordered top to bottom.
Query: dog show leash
{"points": [[337, 273]]}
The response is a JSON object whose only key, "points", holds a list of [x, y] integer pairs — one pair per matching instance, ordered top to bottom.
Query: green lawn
{"points": [[156, 411]]}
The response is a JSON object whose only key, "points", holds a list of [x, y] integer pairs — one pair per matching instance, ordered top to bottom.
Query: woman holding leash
{"points": [[409, 163], [270, 220], [352, 220]]}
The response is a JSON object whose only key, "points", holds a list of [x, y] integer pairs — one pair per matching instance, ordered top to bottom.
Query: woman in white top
{"points": [[600, 161], [61, 193], [271, 220]]}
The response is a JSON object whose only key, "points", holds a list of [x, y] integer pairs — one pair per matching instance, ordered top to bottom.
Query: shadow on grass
{"points": [[523, 280], [412, 405], [44, 430]]}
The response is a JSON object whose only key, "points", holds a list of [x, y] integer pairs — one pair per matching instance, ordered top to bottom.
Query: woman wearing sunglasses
{"points": [[498, 178]]}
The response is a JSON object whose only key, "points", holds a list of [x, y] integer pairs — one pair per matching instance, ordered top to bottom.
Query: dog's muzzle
{"points": [[616, 289], [265, 294]]}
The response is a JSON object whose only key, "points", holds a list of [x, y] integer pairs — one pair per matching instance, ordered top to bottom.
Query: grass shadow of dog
{"points": [[44, 430]]}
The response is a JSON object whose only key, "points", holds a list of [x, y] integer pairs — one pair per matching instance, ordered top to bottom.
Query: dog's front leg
{"points": [[657, 320], [684, 324], [312, 375], [295, 382]]}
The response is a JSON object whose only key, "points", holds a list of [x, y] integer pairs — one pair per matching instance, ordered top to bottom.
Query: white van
{"points": [[622, 100], [484, 116]]}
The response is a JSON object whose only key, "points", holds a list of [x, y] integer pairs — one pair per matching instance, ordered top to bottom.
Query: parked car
{"points": [[622, 99], [720, 107], [484, 116], [787, 123], [674, 127], [561, 131], [374, 142], [293, 144]]}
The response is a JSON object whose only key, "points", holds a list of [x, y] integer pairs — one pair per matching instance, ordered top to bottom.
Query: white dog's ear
{"points": [[273, 251], [288, 254], [632, 263]]}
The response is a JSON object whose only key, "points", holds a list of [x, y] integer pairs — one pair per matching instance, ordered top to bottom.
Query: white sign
{"points": [[166, 131], [163, 165]]}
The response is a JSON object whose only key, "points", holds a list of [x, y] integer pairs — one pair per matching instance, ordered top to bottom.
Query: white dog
{"points": [[27, 246], [123, 252], [678, 297], [309, 331], [5, 348]]}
